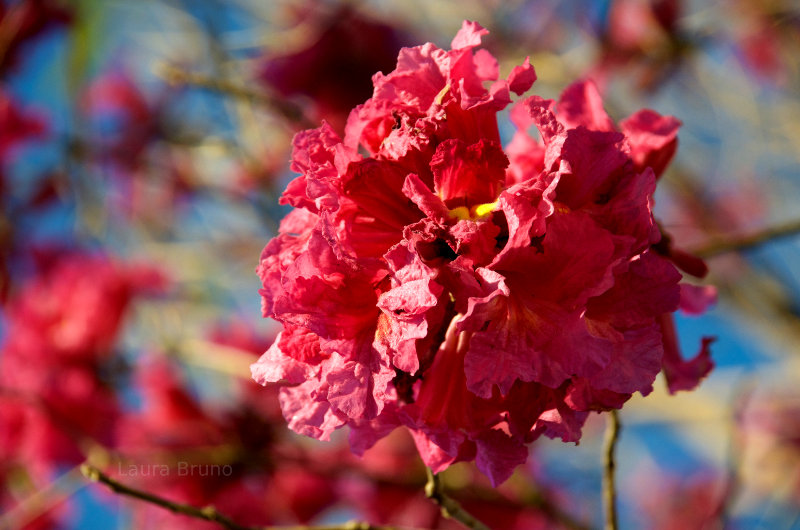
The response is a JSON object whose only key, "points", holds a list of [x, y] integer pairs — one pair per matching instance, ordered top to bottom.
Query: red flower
{"points": [[26, 20], [343, 47], [478, 297], [60, 327]]}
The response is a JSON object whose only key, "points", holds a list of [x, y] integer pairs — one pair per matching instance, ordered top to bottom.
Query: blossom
{"points": [[30, 19], [341, 46], [122, 121], [479, 297], [61, 326], [233, 457]]}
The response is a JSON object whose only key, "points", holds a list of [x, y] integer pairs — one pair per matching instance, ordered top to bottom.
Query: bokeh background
{"points": [[143, 149]]}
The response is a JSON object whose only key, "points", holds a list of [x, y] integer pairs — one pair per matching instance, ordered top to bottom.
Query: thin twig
{"points": [[10, 26], [178, 76], [721, 246], [609, 468], [450, 508], [207, 513]]}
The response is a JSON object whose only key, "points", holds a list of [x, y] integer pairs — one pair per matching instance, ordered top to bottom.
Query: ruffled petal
{"points": [[522, 77], [582, 105], [653, 139], [679, 373], [307, 413], [498, 454]]}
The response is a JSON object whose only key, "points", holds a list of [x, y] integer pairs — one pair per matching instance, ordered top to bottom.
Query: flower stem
{"points": [[609, 468], [450, 508]]}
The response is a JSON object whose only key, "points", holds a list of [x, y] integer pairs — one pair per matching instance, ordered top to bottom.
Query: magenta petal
{"points": [[468, 36], [486, 66], [522, 77], [416, 82], [581, 104], [653, 139], [314, 156], [595, 161], [468, 175], [427, 201], [526, 207], [629, 211], [281, 253], [576, 262], [324, 295], [640, 295], [412, 298], [696, 299], [406, 308], [410, 309], [507, 342], [634, 364], [276, 365], [681, 374], [357, 387], [581, 395], [306, 414], [561, 422], [366, 433], [498, 454], [433, 455]]}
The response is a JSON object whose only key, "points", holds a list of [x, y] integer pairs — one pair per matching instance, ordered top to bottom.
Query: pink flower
{"points": [[28, 19], [343, 47], [122, 121], [17, 125], [476, 296], [75, 308], [61, 326], [233, 457]]}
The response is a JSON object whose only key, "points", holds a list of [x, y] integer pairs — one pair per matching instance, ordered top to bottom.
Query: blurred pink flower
{"points": [[25, 20], [642, 38], [343, 47], [122, 121], [16, 125], [56, 399], [230, 457], [674, 504]]}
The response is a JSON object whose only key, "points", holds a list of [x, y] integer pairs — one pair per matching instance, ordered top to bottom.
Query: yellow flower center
{"points": [[476, 213]]}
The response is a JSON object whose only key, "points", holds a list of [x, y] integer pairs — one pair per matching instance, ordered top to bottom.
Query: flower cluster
{"points": [[479, 297], [56, 399]]}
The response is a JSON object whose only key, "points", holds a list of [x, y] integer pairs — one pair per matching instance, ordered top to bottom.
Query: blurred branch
{"points": [[10, 25], [176, 75], [721, 246], [735, 456], [609, 468], [532, 496], [450, 508], [207, 513]]}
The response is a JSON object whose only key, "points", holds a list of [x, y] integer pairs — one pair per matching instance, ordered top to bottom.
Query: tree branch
{"points": [[178, 76], [723, 245], [609, 468], [450, 508], [206, 513]]}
